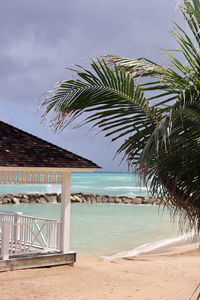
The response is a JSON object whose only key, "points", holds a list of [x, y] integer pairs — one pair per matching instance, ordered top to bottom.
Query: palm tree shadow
{"points": [[198, 297]]}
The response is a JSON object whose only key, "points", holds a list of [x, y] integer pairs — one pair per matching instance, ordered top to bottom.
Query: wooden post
{"points": [[65, 213], [5, 240]]}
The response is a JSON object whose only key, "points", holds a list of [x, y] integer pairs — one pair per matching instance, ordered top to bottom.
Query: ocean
{"points": [[100, 183], [105, 229]]}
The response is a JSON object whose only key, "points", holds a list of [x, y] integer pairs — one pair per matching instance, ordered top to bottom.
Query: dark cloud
{"points": [[40, 38]]}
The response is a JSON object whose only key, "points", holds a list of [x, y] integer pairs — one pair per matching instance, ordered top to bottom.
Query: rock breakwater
{"points": [[76, 198]]}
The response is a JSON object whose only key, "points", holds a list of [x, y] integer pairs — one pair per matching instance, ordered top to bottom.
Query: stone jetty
{"points": [[76, 198]]}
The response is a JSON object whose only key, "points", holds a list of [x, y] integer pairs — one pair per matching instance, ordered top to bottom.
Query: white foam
{"points": [[82, 186], [125, 187], [53, 188], [149, 247]]}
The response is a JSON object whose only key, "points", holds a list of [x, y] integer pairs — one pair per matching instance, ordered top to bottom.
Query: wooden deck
{"points": [[30, 242], [37, 261]]}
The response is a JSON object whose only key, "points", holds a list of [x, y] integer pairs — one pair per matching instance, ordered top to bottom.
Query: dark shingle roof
{"points": [[21, 149]]}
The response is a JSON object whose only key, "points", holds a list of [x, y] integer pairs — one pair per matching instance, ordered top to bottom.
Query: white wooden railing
{"points": [[30, 177], [20, 234]]}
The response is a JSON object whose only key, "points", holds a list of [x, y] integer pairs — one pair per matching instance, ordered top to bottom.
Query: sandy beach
{"points": [[172, 275]]}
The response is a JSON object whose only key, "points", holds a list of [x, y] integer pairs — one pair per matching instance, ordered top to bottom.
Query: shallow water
{"points": [[103, 229], [107, 229]]}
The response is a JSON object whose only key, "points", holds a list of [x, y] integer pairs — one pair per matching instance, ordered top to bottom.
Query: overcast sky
{"points": [[39, 38]]}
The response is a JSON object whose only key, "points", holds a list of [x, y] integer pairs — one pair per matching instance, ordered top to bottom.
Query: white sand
{"points": [[171, 276]]}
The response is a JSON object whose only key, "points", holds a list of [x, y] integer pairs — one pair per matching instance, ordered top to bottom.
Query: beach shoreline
{"points": [[135, 244], [181, 245], [168, 272], [167, 276]]}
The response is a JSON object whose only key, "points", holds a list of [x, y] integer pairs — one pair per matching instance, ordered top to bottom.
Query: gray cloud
{"points": [[40, 38]]}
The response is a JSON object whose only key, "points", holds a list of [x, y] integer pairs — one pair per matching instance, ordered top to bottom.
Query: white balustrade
{"points": [[30, 177], [20, 234]]}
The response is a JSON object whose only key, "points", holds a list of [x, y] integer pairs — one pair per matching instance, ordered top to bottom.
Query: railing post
{"points": [[17, 226], [5, 239]]}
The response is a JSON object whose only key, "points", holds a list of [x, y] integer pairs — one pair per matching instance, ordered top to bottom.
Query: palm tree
{"points": [[160, 133]]}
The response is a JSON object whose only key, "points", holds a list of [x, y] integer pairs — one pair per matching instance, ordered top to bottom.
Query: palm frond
{"points": [[191, 12], [140, 67], [166, 82], [114, 104], [160, 132], [170, 159]]}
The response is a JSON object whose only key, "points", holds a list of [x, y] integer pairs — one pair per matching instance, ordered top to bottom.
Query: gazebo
{"points": [[26, 159]]}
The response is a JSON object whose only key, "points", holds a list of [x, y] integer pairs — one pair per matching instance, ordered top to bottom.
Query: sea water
{"points": [[100, 183], [104, 229], [108, 229]]}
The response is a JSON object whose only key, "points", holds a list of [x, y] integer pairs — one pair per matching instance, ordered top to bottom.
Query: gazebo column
{"points": [[65, 212]]}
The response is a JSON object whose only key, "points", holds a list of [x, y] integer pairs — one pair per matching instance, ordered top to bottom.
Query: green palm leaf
{"points": [[115, 105], [160, 133]]}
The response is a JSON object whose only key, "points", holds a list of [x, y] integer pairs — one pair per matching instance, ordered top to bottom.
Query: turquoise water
{"points": [[99, 183], [103, 229], [107, 229]]}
